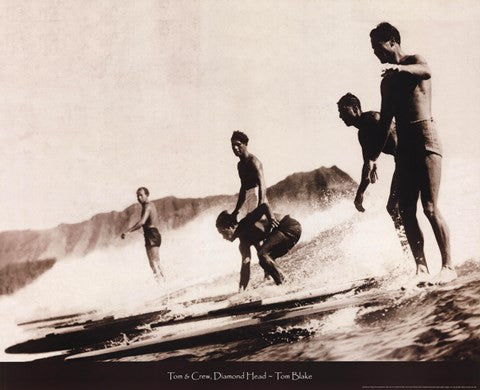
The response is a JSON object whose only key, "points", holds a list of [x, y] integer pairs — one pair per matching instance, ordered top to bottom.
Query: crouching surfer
{"points": [[271, 235], [153, 239]]}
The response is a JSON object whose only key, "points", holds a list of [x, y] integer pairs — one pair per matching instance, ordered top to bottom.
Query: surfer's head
{"points": [[385, 40], [349, 109], [239, 143], [142, 195], [226, 225]]}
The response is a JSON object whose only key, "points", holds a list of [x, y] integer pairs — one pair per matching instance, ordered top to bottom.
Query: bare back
{"points": [[371, 138], [252, 231]]}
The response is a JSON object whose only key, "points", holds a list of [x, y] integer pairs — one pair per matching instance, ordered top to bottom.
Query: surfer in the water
{"points": [[406, 95], [370, 139], [250, 170], [149, 222], [271, 235]]}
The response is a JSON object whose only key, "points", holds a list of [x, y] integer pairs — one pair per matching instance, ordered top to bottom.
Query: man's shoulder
{"points": [[413, 59], [373, 116], [370, 121], [254, 158], [255, 161], [149, 206]]}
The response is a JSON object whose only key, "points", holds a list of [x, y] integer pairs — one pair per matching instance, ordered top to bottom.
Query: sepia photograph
{"points": [[212, 193]]}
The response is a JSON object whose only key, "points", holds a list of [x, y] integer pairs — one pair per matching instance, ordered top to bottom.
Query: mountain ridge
{"points": [[315, 189]]}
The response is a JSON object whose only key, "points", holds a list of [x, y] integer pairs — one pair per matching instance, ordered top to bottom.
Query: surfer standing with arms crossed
{"points": [[406, 95], [370, 139], [250, 170], [271, 235], [153, 239]]}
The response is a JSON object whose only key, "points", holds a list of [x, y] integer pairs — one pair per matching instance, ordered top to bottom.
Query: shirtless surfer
{"points": [[406, 95], [370, 139], [250, 170], [271, 235], [153, 239]]}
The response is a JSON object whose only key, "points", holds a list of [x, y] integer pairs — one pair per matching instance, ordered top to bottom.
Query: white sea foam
{"points": [[119, 279]]}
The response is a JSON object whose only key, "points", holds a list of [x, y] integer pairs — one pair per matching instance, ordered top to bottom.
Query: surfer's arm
{"points": [[417, 68], [386, 117], [367, 167], [366, 176], [365, 181], [262, 189], [240, 200], [267, 210], [140, 223], [245, 269]]}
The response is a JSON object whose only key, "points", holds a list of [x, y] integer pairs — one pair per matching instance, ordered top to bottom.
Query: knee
{"points": [[430, 211]]}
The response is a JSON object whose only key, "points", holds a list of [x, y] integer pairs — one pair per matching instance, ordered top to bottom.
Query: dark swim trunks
{"points": [[416, 139], [419, 160], [152, 237], [283, 238]]}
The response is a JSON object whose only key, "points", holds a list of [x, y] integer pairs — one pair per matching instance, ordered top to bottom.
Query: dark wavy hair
{"points": [[384, 32], [349, 100], [238, 135], [144, 189], [225, 220]]}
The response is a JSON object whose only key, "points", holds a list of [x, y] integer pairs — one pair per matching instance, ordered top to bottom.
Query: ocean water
{"points": [[337, 245]]}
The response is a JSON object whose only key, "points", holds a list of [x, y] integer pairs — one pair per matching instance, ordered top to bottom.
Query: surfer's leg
{"points": [[430, 186], [408, 192], [392, 204], [394, 212], [275, 242], [154, 260], [270, 268]]}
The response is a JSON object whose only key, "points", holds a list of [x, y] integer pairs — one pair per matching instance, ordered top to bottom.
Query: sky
{"points": [[100, 97]]}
